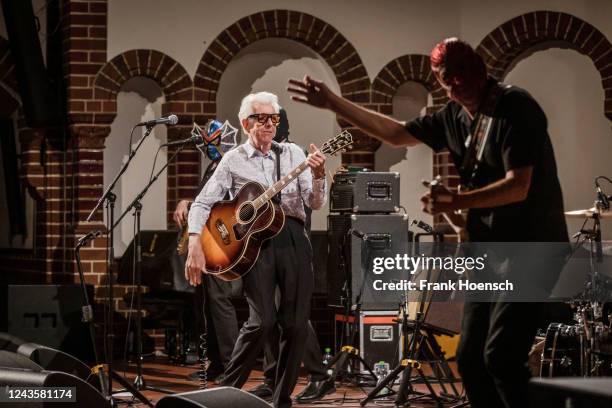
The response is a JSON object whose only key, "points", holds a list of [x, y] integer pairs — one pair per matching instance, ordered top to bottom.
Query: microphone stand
{"points": [[109, 198], [139, 381]]}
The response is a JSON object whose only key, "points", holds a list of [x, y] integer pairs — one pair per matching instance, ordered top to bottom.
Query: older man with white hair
{"points": [[285, 260]]}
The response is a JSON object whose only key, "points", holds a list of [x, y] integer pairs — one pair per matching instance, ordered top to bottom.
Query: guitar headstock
{"points": [[342, 142]]}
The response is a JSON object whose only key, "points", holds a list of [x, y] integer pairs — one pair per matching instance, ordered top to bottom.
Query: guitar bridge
{"points": [[223, 231]]}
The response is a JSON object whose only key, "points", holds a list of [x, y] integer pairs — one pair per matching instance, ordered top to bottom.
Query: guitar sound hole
{"points": [[246, 212]]}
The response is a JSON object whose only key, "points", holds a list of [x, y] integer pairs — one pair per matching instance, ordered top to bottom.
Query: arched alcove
{"points": [[265, 66], [571, 93], [139, 99], [414, 164]]}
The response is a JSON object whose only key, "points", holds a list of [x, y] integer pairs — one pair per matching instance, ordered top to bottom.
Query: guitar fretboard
{"points": [[341, 141], [279, 185]]}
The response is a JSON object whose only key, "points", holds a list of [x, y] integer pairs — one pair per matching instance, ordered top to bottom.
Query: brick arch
{"points": [[321, 37], [502, 46], [414, 67], [173, 79], [177, 87]]}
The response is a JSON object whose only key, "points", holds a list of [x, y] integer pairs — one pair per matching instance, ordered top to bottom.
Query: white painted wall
{"points": [[382, 31], [569, 90], [139, 100], [414, 164]]}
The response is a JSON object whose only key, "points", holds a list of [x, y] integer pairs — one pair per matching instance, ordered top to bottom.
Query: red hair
{"points": [[455, 58]]}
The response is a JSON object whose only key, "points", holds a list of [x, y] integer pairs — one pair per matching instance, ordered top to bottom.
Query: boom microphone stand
{"points": [[108, 199], [136, 204]]}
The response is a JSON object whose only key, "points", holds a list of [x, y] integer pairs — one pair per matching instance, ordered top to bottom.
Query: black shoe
{"points": [[220, 378], [315, 390], [263, 391]]}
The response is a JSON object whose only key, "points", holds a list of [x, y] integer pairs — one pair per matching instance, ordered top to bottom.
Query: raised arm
{"points": [[377, 125]]}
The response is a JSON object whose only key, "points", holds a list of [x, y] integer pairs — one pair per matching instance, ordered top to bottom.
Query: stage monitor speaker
{"points": [[39, 97], [354, 241], [54, 320], [14, 360], [571, 392], [85, 394], [222, 397]]}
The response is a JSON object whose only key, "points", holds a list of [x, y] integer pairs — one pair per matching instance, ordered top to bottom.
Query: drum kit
{"points": [[584, 348]]}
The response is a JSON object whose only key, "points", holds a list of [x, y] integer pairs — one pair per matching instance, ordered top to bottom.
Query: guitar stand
{"points": [[414, 348], [348, 355], [405, 367]]}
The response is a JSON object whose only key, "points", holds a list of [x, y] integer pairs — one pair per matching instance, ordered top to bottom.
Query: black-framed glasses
{"points": [[262, 118]]}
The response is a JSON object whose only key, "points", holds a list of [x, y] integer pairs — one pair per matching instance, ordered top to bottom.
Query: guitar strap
{"points": [[477, 140], [277, 149]]}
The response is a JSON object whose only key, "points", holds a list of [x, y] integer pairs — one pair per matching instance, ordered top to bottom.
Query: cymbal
{"points": [[588, 213]]}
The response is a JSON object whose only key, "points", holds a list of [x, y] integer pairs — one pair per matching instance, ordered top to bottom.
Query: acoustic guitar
{"points": [[236, 228]]}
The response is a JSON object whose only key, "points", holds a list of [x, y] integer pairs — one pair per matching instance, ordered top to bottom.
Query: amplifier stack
{"points": [[364, 223]]}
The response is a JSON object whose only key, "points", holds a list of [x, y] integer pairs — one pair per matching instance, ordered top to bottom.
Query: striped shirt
{"points": [[244, 164]]}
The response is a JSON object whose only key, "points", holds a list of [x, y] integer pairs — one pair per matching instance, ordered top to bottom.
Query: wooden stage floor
{"points": [[162, 374]]}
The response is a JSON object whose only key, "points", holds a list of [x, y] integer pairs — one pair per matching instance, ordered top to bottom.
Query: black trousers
{"points": [[284, 261], [221, 322], [492, 355], [313, 358]]}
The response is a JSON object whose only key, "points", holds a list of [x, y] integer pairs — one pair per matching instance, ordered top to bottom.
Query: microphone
{"points": [[169, 120], [195, 138], [603, 200], [91, 235]]}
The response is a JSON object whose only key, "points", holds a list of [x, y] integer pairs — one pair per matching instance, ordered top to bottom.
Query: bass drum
{"points": [[564, 353]]}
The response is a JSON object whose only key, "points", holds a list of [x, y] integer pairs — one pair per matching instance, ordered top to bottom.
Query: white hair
{"points": [[247, 107]]}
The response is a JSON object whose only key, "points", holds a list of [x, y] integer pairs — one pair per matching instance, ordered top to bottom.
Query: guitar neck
{"points": [[279, 185]]}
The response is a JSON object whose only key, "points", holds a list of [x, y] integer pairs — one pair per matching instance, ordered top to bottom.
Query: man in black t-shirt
{"points": [[514, 196]]}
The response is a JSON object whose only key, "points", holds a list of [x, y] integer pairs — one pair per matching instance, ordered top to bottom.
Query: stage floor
{"points": [[160, 373]]}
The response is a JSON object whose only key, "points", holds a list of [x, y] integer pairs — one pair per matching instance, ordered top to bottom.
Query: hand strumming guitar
{"points": [[440, 200], [196, 262]]}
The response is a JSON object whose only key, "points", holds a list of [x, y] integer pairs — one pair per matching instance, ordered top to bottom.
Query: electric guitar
{"points": [[454, 219], [236, 228]]}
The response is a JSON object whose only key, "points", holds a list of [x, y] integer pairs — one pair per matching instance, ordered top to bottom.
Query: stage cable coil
{"points": [[202, 372]]}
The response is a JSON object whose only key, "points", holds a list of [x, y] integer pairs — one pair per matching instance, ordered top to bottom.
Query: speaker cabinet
{"points": [[354, 241], [54, 320], [222, 397]]}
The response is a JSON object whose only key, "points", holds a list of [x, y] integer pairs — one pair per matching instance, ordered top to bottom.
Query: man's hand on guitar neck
{"points": [[316, 162], [195, 264]]}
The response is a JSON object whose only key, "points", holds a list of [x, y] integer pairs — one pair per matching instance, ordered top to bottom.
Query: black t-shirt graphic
{"points": [[518, 138]]}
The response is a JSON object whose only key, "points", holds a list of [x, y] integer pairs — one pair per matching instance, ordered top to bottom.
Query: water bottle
{"points": [[327, 357], [381, 370]]}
